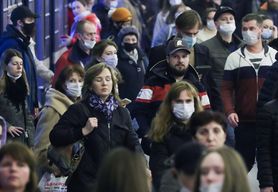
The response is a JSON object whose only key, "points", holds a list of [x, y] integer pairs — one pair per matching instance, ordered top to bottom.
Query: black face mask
{"points": [[29, 29], [130, 46]]}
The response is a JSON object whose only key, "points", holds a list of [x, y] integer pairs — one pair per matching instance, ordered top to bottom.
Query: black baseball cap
{"points": [[223, 9], [22, 12], [175, 45]]}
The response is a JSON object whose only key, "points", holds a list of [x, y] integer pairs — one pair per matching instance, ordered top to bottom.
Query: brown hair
{"points": [[188, 19], [5, 59], [65, 75], [22, 153], [234, 170], [123, 171]]}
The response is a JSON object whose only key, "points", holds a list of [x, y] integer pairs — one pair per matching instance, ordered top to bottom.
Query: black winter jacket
{"points": [[132, 74], [270, 86], [97, 144], [267, 145], [161, 151]]}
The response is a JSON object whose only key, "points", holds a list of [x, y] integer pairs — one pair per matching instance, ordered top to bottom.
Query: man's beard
{"points": [[177, 72]]}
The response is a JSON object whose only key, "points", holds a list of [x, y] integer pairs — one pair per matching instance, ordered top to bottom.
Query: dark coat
{"points": [[13, 39], [218, 51], [73, 56], [132, 74], [270, 86], [18, 117], [97, 144], [267, 145], [161, 151]]}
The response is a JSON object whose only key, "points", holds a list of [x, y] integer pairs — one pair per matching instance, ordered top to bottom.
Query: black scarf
{"points": [[16, 91]]}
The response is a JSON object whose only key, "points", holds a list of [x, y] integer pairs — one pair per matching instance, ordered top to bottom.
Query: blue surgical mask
{"points": [[113, 4], [211, 25], [267, 33], [189, 41], [89, 44], [111, 60], [74, 89]]}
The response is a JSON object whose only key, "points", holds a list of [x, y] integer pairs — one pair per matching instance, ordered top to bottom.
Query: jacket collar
{"points": [[12, 33], [77, 53], [161, 70]]}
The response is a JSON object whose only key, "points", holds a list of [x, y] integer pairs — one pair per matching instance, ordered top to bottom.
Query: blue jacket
{"points": [[13, 39]]}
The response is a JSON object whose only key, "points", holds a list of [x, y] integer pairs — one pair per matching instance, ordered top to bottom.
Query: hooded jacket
{"points": [[241, 83]]}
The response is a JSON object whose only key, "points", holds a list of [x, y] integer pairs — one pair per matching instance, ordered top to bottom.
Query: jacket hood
{"points": [[160, 69], [57, 100]]}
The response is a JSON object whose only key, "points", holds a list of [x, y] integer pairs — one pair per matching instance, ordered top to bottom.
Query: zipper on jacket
{"points": [[109, 135]]}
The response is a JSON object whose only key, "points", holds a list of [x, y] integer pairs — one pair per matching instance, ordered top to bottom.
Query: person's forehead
{"points": [[29, 19], [268, 22], [251, 23], [89, 27], [130, 36]]}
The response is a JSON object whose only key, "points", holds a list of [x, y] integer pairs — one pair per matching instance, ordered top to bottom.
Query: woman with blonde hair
{"points": [[100, 121], [169, 128], [222, 170], [123, 171]]}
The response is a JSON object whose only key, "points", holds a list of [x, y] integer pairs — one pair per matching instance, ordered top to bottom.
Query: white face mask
{"points": [[175, 2], [113, 4], [211, 25], [227, 28], [267, 33], [250, 37], [189, 41], [89, 44], [111, 60], [14, 78], [73, 89], [183, 111], [215, 187]]}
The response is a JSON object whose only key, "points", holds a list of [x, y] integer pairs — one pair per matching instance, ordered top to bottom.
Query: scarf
{"points": [[107, 107]]}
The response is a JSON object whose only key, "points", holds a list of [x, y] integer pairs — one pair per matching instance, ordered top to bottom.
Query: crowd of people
{"points": [[150, 96]]}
